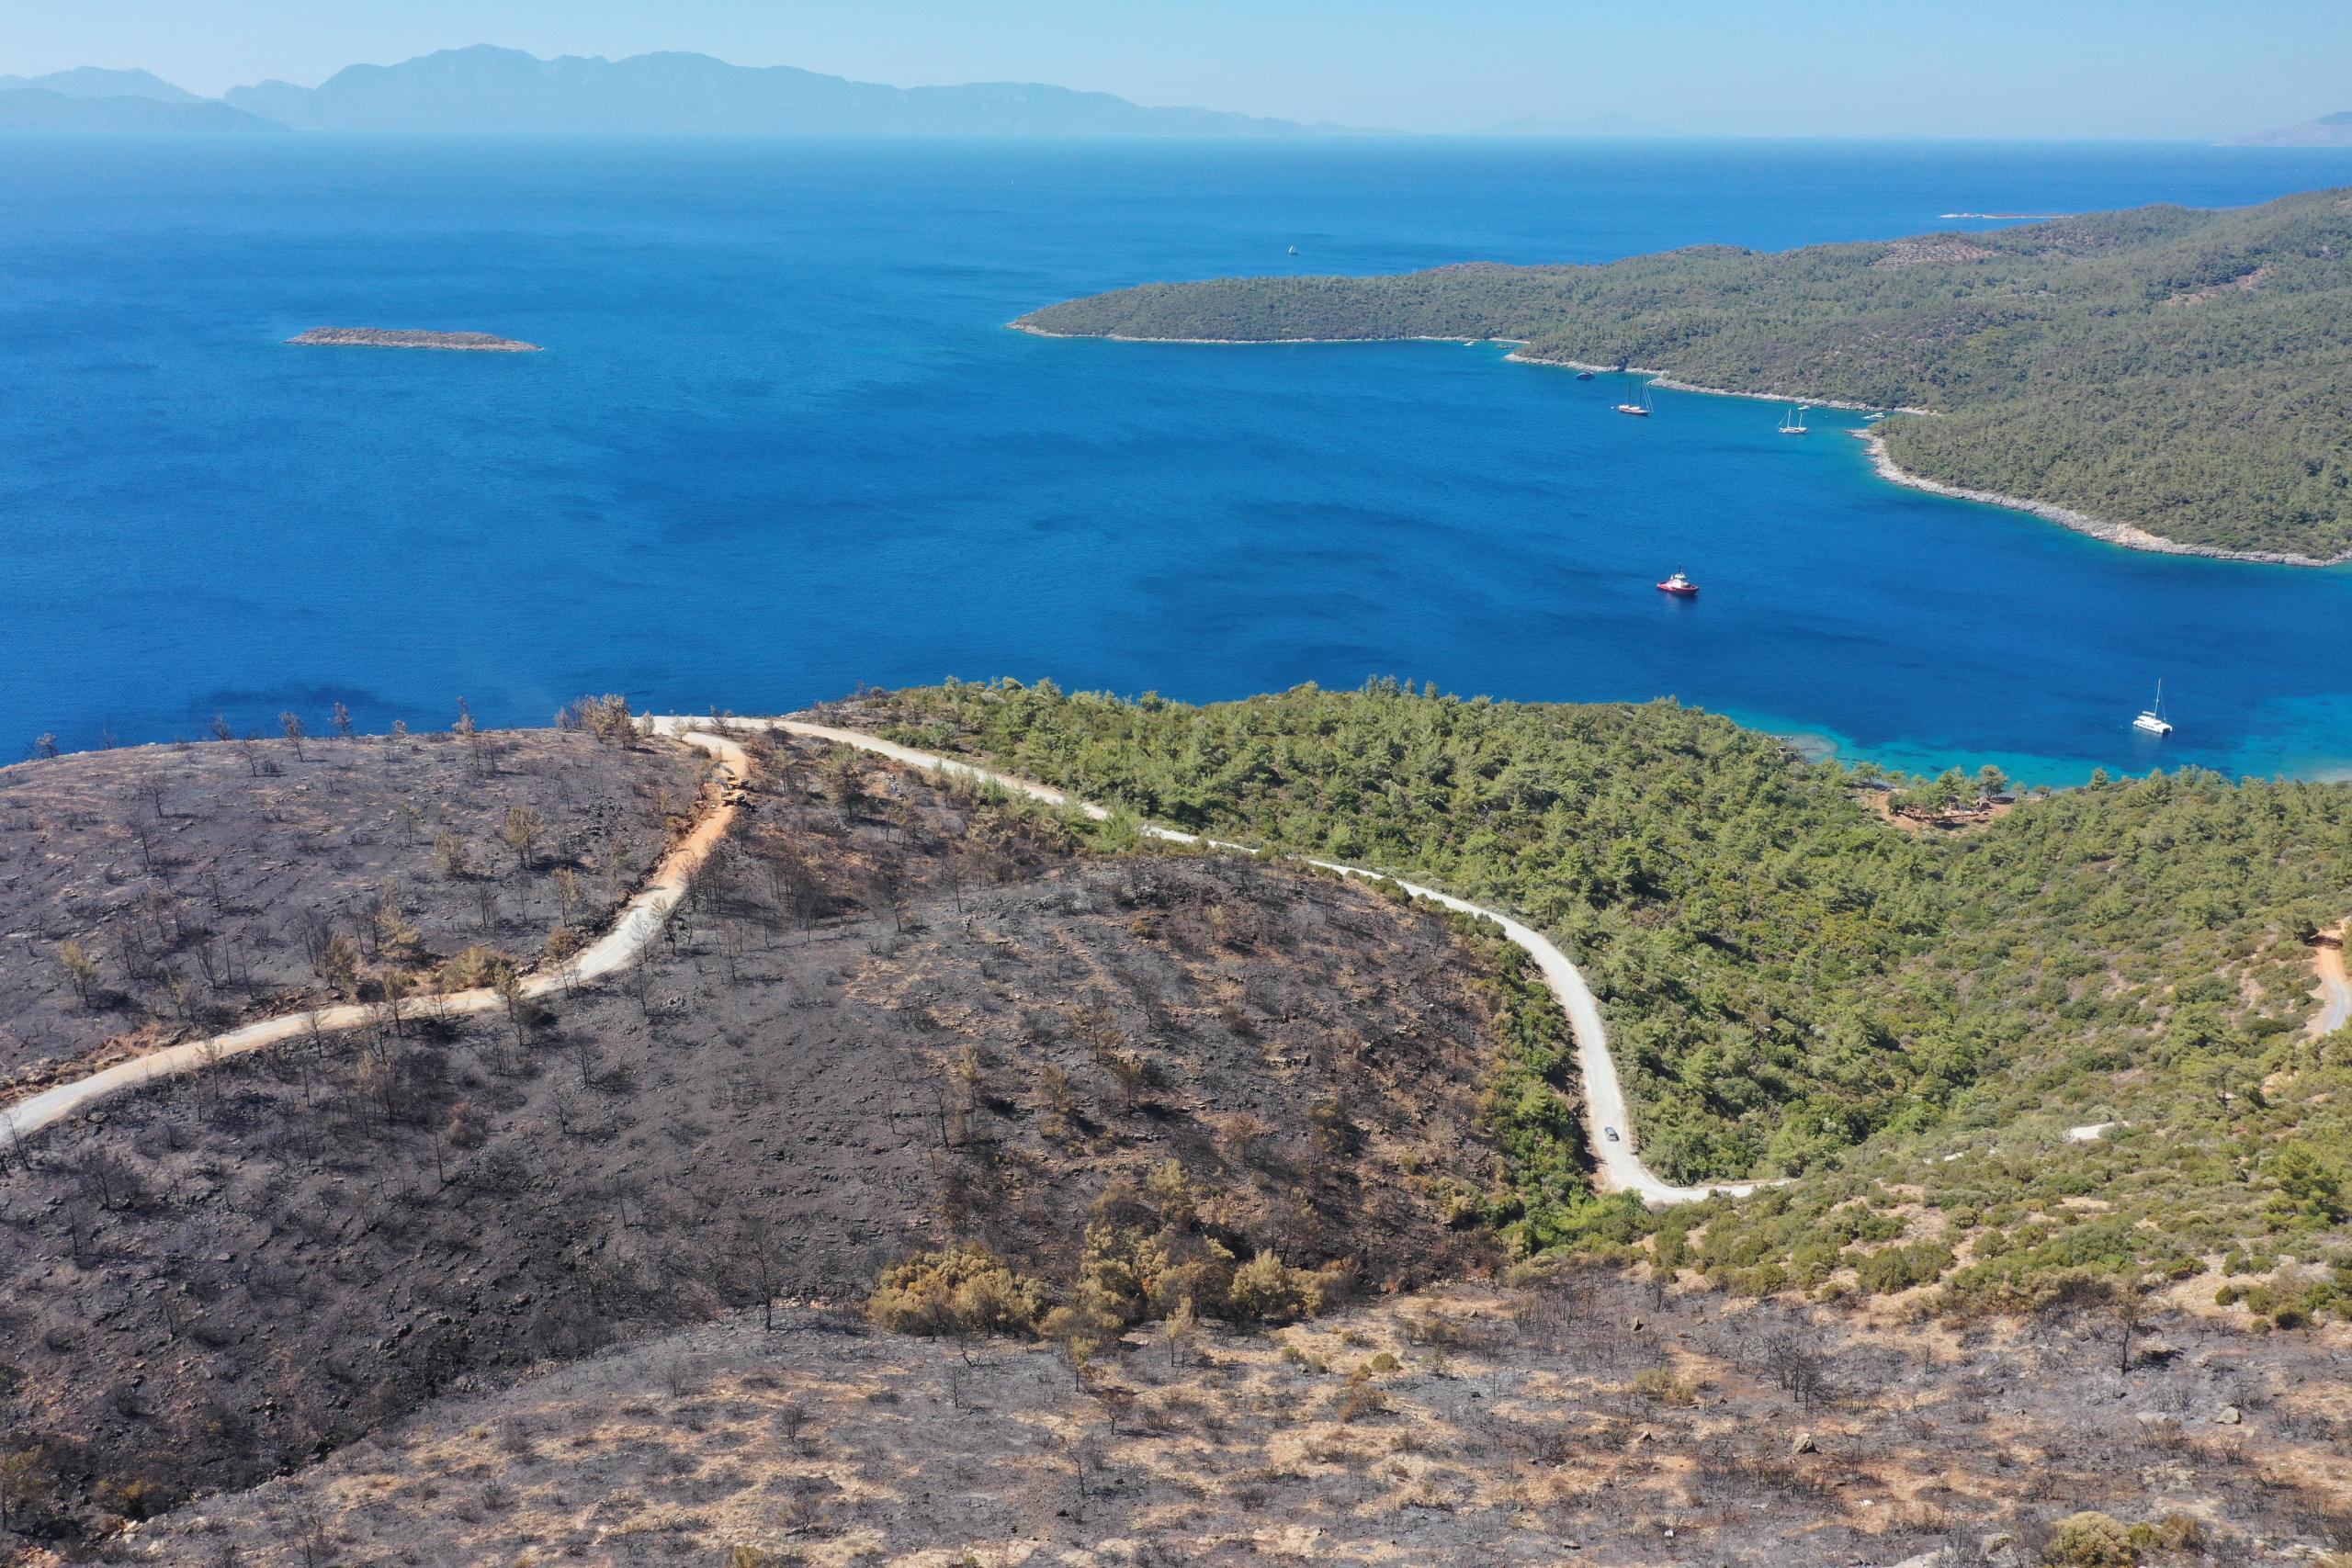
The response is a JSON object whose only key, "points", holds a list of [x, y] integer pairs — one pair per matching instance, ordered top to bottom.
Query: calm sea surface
{"points": [[780, 444]]}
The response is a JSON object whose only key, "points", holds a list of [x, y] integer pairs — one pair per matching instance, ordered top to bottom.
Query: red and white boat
{"points": [[1680, 586]]}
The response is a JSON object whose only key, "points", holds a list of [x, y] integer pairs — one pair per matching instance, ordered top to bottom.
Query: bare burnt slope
{"points": [[204, 883], [886, 1016]]}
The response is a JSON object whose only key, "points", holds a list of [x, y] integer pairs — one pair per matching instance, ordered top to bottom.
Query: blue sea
{"points": [[780, 444]]}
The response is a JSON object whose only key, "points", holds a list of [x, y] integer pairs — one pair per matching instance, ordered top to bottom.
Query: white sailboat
{"points": [[1640, 410], [1793, 423], [2152, 721]]}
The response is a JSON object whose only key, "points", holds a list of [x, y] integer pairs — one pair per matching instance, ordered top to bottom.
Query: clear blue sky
{"points": [[2092, 68]]}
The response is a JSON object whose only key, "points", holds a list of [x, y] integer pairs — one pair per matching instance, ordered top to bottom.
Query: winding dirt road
{"points": [[638, 923], [1621, 1168]]}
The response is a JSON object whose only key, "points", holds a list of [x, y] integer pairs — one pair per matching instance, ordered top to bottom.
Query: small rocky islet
{"points": [[381, 337]]}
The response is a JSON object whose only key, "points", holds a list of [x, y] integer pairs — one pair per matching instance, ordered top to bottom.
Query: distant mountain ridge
{"points": [[96, 82], [489, 89], [93, 98], [40, 108], [2327, 130]]}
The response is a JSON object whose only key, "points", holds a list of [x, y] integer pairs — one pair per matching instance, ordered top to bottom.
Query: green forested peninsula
{"points": [[2188, 373], [1795, 985]]}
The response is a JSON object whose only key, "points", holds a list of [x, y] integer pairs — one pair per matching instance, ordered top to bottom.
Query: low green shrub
{"points": [[2090, 1539]]}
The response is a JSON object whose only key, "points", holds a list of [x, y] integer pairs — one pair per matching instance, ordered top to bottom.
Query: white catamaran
{"points": [[2154, 720]]}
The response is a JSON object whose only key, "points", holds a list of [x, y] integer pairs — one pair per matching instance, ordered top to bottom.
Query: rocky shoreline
{"points": [[1022, 325], [382, 337], [1660, 378], [2130, 535]]}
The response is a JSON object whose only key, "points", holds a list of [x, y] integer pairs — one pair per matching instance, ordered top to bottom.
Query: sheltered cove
{"points": [[2127, 536]]}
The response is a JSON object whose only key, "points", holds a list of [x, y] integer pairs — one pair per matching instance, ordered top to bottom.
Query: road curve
{"points": [[639, 922], [1620, 1166]]}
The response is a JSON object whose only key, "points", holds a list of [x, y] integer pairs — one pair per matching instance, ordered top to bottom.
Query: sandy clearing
{"points": [[2335, 989]]}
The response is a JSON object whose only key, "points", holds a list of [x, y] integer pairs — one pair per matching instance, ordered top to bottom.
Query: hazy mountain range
{"points": [[93, 81], [487, 89], [90, 98], [2327, 130]]}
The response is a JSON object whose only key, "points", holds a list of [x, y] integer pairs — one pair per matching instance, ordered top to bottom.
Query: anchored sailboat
{"points": [[1640, 410], [1793, 421], [2153, 720]]}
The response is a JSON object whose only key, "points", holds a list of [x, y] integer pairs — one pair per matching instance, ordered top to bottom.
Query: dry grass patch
{"points": [[835, 1447]]}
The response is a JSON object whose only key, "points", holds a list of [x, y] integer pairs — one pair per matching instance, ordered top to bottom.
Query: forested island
{"points": [[380, 337], [2171, 378]]}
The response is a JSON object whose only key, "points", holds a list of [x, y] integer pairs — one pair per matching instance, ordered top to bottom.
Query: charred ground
{"points": [[204, 884], [884, 1016], [468, 1282], [1582, 1419]]}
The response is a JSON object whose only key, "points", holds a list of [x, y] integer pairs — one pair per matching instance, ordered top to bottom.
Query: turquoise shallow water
{"points": [[780, 444]]}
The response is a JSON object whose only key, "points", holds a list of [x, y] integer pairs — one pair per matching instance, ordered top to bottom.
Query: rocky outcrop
{"points": [[379, 337]]}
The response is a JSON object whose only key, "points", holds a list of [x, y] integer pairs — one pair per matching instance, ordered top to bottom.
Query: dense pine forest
{"points": [[2186, 372], [1798, 986]]}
